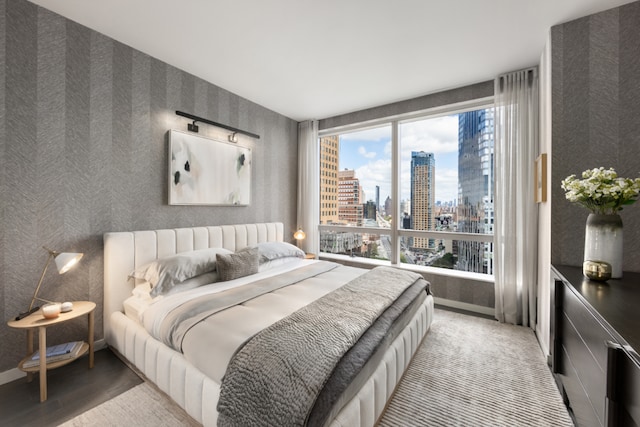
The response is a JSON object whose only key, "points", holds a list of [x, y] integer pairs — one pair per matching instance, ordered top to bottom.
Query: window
{"points": [[358, 170], [444, 196]]}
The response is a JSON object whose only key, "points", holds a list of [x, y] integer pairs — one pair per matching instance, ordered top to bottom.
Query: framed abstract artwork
{"points": [[205, 171]]}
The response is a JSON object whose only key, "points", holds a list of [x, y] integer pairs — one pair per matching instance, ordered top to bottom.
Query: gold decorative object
{"points": [[597, 270]]}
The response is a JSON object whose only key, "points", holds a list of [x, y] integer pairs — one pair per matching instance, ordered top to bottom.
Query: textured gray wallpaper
{"points": [[595, 110], [83, 151]]}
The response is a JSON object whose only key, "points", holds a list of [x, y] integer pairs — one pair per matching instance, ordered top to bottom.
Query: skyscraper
{"points": [[329, 157], [475, 188], [422, 196], [350, 198], [378, 199], [388, 208], [370, 210]]}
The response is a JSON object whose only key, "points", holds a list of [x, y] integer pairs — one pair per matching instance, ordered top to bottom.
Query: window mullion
{"points": [[395, 193]]}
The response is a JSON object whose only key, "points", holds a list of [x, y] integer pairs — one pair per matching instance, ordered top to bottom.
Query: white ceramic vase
{"points": [[603, 241]]}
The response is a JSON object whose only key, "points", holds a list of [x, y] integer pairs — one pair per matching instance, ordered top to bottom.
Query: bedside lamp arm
{"points": [[35, 294]]}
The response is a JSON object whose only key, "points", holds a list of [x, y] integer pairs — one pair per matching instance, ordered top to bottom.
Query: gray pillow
{"points": [[270, 251], [239, 264], [165, 273]]}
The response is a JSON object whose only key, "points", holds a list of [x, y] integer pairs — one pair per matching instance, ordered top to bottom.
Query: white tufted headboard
{"points": [[124, 251]]}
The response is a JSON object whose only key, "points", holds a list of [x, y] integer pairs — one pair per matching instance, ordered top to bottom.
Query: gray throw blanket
{"points": [[356, 366], [276, 377]]}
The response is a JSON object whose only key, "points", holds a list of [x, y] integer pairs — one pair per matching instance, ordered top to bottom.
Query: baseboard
{"points": [[465, 306], [15, 373], [11, 375]]}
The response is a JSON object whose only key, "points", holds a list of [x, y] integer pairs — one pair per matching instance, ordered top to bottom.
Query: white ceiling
{"points": [[316, 59]]}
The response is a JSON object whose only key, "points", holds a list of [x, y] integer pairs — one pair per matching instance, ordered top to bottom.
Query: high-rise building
{"points": [[329, 158], [423, 167], [475, 188], [350, 198], [378, 198], [405, 207], [388, 208], [370, 210], [406, 221]]}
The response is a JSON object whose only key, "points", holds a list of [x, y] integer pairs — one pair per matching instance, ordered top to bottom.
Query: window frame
{"points": [[395, 232]]}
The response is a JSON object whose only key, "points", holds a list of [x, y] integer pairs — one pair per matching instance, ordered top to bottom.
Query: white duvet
{"points": [[211, 343]]}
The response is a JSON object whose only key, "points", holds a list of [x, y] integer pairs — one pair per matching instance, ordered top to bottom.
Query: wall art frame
{"points": [[204, 171]]}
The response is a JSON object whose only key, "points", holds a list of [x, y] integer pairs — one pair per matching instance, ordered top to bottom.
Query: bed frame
{"points": [[172, 373]]}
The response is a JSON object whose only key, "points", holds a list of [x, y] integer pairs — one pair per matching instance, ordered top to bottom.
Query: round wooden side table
{"points": [[38, 321]]}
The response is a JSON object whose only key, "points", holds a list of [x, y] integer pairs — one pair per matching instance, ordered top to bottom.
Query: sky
{"points": [[368, 152]]}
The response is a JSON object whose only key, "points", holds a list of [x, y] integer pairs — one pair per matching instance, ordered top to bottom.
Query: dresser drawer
{"points": [[590, 330], [594, 346], [591, 377], [579, 403]]}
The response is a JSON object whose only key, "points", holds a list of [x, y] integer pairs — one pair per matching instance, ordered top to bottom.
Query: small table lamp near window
{"points": [[299, 235], [64, 262]]}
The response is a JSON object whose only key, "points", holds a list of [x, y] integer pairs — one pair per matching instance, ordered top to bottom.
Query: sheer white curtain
{"points": [[309, 184], [516, 213]]}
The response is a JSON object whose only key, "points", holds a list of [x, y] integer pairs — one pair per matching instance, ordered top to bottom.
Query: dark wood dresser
{"points": [[595, 340]]}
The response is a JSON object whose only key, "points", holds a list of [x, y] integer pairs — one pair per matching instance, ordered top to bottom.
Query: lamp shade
{"points": [[299, 235], [66, 260]]}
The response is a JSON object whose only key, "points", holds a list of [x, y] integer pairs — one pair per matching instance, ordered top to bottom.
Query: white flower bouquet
{"points": [[601, 190]]}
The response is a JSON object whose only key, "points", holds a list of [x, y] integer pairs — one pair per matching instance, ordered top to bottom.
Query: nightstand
{"points": [[310, 256], [37, 321]]}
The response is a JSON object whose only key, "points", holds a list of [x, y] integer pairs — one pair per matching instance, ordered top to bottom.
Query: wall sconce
{"points": [[192, 127], [299, 235], [64, 262]]}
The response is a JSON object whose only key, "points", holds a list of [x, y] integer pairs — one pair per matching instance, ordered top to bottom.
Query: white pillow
{"points": [[278, 263], [164, 273], [194, 282], [142, 291]]}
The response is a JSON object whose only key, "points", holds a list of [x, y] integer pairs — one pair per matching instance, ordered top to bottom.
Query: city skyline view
{"points": [[368, 153], [445, 179]]}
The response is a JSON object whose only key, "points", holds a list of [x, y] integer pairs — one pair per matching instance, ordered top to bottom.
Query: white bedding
{"points": [[136, 304], [160, 306], [224, 332], [210, 344], [190, 387]]}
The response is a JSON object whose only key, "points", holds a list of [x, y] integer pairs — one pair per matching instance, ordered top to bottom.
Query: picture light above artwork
{"points": [[192, 127]]}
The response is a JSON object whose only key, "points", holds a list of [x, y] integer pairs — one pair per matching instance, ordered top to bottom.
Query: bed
{"points": [[194, 379]]}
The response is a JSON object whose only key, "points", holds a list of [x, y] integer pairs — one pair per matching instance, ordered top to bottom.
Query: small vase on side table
{"points": [[603, 241]]}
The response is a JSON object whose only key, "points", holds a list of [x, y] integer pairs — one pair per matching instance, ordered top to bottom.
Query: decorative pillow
{"points": [[270, 251], [239, 264], [165, 273]]}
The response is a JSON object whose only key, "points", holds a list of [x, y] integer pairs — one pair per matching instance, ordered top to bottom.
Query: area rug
{"points": [[469, 371], [472, 371], [141, 406]]}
